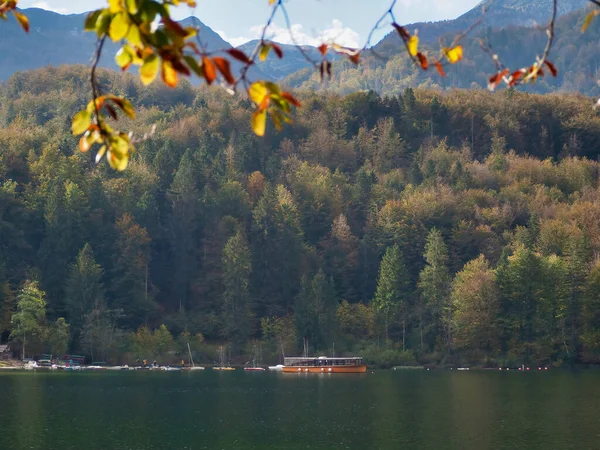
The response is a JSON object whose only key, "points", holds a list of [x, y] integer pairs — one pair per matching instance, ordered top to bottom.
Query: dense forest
{"points": [[436, 228]]}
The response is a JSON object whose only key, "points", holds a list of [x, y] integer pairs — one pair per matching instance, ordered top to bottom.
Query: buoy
{"points": [[499, 368], [508, 368], [520, 368], [528, 368], [539, 368], [545, 368]]}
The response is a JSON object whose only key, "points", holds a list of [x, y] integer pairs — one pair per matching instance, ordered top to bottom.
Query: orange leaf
{"points": [[23, 20], [323, 49], [239, 55], [355, 58], [423, 61], [551, 67], [440, 68], [225, 69], [210, 72], [169, 74], [495, 80], [290, 98]]}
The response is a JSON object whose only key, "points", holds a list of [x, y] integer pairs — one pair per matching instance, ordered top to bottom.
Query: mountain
{"points": [[56, 39], [575, 54]]}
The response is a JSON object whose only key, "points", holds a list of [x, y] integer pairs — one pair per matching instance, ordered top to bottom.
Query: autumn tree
{"points": [[476, 306], [29, 321]]}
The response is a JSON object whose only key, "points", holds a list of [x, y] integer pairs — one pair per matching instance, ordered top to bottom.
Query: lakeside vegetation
{"points": [[423, 228]]}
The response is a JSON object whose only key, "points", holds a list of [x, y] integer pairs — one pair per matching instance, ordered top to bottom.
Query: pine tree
{"points": [[237, 267], [435, 284], [84, 290], [393, 290]]}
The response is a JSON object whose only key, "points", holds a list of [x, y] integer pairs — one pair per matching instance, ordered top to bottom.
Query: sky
{"points": [[347, 22]]}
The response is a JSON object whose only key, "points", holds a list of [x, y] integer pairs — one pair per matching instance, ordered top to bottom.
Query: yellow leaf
{"points": [[272, 1], [115, 6], [132, 6], [588, 19], [23, 20], [119, 26], [133, 36], [413, 45], [264, 52], [454, 54], [123, 58], [149, 69], [169, 74], [258, 92], [81, 122], [259, 122], [100, 153], [118, 162]]}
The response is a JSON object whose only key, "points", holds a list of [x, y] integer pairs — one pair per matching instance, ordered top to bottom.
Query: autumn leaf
{"points": [[588, 19], [23, 20], [119, 26], [413, 45], [323, 49], [277, 50], [264, 51], [454, 54], [239, 55], [423, 61], [440, 68], [551, 68], [149, 69], [225, 69], [210, 72], [169, 74], [258, 92], [291, 99], [81, 122], [259, 122]]}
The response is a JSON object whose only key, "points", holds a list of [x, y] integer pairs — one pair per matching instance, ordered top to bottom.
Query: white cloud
{"points": [[47, 7], [335, 33], [235, 41]]}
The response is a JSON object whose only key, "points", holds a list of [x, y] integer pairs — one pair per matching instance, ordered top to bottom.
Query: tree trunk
{"points": [[403, 333], [24, 339]]}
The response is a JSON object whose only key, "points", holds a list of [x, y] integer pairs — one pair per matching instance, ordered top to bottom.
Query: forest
{"points": [[427, 227]]}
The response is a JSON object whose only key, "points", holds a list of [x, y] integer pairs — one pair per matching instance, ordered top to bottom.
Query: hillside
{"points": [[57, 39], [575, 54], [310, 232]]}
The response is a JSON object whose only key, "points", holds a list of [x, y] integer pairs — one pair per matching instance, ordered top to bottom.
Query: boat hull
{"points": [[325, 369]]}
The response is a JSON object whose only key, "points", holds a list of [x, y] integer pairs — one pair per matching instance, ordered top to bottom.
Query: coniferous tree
{"points": [[237, 267], [435, 284], [84, 290], [393, 291]]}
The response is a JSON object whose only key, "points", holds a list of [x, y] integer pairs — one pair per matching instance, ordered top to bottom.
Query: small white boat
{"points": [[196, 368], [277, 368], [463, 368], [170, 369]]}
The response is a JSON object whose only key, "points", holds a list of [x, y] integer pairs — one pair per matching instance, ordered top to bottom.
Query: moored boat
{"points": [[324, 364]]}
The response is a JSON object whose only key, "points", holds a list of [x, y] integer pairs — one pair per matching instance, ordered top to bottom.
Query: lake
{"points": [[237, 410]]}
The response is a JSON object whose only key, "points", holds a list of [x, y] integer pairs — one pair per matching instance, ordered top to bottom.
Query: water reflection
{"points": [[396, 410]]}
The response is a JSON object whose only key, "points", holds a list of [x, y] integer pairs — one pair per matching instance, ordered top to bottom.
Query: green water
{"points": [[238, 410]]}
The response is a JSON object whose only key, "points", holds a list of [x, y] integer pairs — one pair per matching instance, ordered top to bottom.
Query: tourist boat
{"points": [[324, 364]]}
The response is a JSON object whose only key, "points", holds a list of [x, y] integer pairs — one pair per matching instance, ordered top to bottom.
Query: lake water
{"points": [[434, 410]]}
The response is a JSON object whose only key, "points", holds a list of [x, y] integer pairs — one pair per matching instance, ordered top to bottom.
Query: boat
{"points": [[324, 364], [194, 366], [222, 366], [254, 367], [277, 368], [170, 369]]}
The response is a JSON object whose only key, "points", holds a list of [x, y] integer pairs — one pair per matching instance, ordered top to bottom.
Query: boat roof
{"points": [[313, 358]]}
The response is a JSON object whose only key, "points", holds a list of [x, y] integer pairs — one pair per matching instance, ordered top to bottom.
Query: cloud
{"points": [[47, 7], [335, 33]]}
